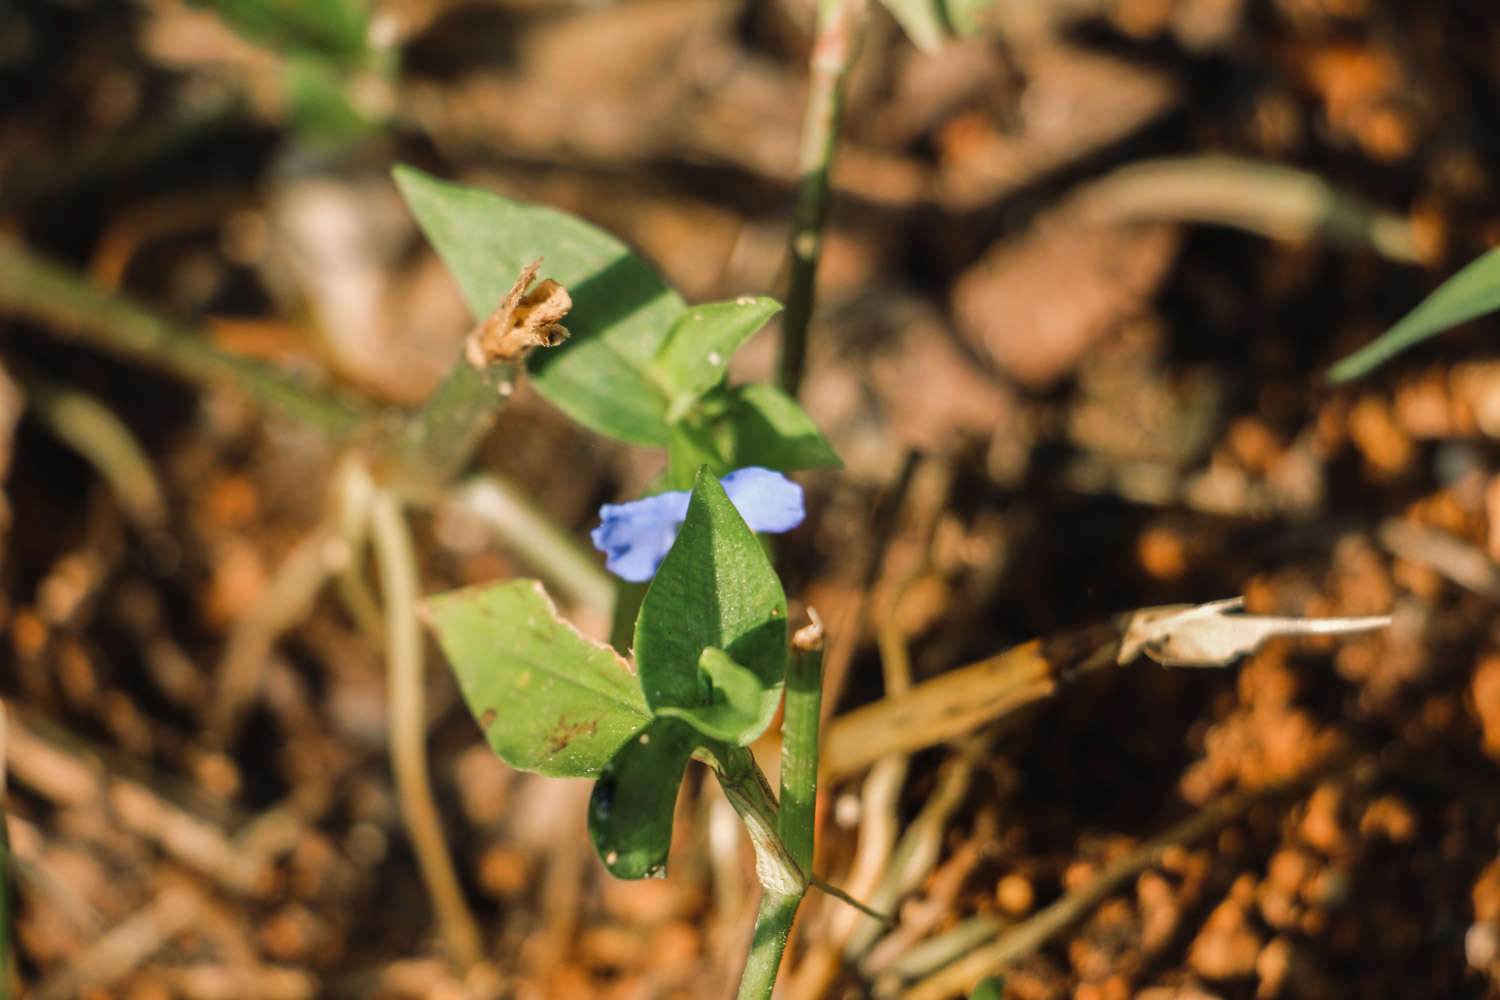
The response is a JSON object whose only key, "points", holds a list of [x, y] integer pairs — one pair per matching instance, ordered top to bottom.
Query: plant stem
{"points": [[834, 43], [39, 289], [90, 428], [440, 436], [527, 530], [397, 563], [799, 746], [747, 790], [795, 819], [773, 925]]}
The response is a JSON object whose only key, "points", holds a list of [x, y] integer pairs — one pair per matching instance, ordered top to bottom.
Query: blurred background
{"points": [[1084, 273]]}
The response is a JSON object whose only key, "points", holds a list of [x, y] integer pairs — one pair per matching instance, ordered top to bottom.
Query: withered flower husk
{"points": [[524, 320]]}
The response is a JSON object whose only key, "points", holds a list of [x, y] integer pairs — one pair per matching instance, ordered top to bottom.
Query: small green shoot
{"points": [[1473, 292]]}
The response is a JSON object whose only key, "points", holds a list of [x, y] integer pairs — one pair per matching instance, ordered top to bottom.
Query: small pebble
{"points": [[1015, 895], [1482, 944]]}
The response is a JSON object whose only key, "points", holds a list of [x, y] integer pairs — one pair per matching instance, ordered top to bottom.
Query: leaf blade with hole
{"points": [[548, 699]]}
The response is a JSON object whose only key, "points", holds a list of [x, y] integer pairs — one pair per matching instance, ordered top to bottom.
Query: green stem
{"points": [[834, 45], [41, 290], [91, 429], [440, 436], [527, 531], [799, 743], [747, 790], [796, 814], [773, 925]]}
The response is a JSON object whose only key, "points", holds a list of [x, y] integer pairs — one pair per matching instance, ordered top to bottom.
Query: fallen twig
{"points": [[1466, 565], [961, 700], [1024, 938], [124, 946]]}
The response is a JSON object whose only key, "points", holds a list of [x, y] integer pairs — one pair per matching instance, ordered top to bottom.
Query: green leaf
{"points": [[922, 20], [331, 27], [318, 106], [1470, 293], [696, 353], [602, 376], [772, 431], [690, 447], [715, 588], [548, 699], [734, 711], [630, 810], [988, 988]]}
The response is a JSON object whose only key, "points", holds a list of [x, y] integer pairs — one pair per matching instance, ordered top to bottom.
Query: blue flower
{"points": [[635, 536]]}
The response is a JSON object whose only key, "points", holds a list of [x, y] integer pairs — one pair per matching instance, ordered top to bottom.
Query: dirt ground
{"points": [[1070, 344]]}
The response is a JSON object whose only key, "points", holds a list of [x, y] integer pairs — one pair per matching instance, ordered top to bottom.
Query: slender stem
{"points": [[834, 45], [39, 289], [90, 428], [441, 435], [353, 497], [526, 529], [397, 563], [799, 745], [747, 790], [795, 819], [773, 925]]}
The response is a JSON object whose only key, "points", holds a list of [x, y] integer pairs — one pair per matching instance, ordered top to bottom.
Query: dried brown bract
{"points": [[522, 321]]}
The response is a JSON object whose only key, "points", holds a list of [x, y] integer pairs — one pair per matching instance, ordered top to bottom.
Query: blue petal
{"points": [[768, 501], [635, 536]]}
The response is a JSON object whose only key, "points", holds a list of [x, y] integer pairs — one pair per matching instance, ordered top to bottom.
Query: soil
{"points": [[1058, 396]]}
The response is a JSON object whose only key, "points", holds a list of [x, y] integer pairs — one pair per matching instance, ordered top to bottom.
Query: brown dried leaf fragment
{"points": [[522, 321]]}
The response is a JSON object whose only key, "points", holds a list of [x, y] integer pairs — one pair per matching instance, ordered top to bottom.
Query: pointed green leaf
{"points": [[922, 20], [332, 27], [1470, 293], [696, 353], [602, 375], [772, 431], [690, 447], [715, 588], [548, 699], [734, 710], [630, 810], [988, 988]]}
